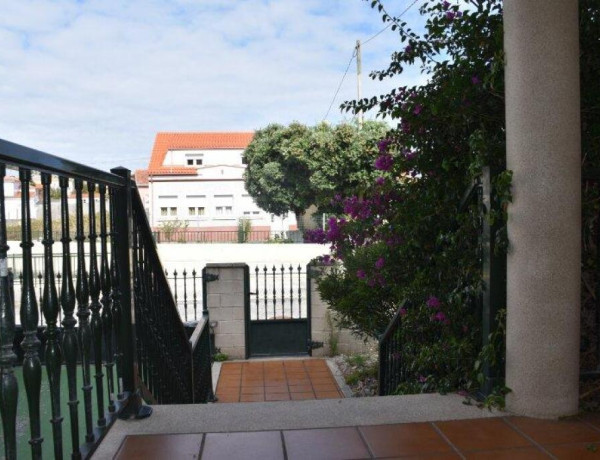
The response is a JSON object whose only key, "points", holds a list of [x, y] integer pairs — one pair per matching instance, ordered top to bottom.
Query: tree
{"points": [[294, 167], [404, 238]]}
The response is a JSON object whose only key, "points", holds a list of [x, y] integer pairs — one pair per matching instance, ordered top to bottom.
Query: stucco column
{"points": [[543, 150]]}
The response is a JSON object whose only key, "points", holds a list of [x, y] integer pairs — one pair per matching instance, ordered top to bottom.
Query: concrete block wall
{"points": [[225, 302], [348, 343]]}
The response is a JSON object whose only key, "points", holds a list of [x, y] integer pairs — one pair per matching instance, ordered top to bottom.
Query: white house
{"points": [[195, 180]]}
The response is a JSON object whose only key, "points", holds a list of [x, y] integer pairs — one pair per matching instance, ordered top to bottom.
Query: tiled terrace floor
{"points": [[281, 380], [494, 438]]}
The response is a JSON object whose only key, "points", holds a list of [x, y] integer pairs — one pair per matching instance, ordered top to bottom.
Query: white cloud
{"points": [[95, 80]]}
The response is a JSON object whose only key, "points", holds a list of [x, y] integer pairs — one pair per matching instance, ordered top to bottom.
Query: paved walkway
{"points": [[281, 380], [511, 438]]}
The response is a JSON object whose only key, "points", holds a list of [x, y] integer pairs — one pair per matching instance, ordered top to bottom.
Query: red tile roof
{"points": [[193, 141], [141, 177]]}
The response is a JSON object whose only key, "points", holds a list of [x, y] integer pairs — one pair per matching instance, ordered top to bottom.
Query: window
{"points": [[199, 161], [190, 162], [196, 210], [224, 210], [163, 211], [172, 211], [246, 213], [256, 213]]}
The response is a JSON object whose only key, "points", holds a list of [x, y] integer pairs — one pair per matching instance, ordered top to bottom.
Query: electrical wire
{"points": [[392, 22], [340, 85]]}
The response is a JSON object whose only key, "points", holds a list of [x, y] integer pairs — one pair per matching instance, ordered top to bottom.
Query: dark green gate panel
{"points": [[279, 337]]}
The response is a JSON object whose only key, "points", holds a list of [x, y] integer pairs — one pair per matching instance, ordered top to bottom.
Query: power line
{"points": [[392, 22], [364, 42], [340, 85]]}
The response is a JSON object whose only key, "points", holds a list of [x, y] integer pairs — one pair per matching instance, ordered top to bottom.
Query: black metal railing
{"points": [[227, 236], [279, 292], [112, 353], [391, 364], [392, 371]]}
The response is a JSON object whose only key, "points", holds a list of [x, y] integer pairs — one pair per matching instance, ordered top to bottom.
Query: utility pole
{"points": [[359, 80]]}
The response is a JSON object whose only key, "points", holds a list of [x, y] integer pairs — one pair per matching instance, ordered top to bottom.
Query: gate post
{"points": [[226, 295]]}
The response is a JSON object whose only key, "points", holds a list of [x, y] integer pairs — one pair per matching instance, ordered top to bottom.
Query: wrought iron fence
{"points": [[279, 292], [90, 299]]}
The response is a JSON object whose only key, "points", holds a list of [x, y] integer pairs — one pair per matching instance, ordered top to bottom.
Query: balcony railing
{"points": [[120, 336]]}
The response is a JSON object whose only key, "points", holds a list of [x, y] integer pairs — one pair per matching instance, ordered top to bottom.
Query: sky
{"points": [[95, 80]]}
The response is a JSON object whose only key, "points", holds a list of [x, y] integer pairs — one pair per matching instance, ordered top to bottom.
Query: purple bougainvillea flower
{"points": [[446, 5], [459, 14], [450, 15], [408, 49], [475, 80], [418, 109], [383, 144], [384, 162], [380, 180], [380, 263], [360, 274], [371, 282], [433, 302], [403, 311], [440, 316], [422, 379]]}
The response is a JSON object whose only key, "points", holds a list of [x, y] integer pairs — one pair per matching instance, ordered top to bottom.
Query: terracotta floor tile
{"points": [[231, 366], [319, 373], [323, 381], [275, 382], [298, 382], [228, 387], [325, 387], [281, 388], [300, 388], [254, 390], [328, 394], [302, 396], [252, 397], [277, 397], [228, 398], [591, 418], [555, 432], [482, 434], [404, 439], [330, 443], [262, 445], [160, 446], [576, 451], [522, 453], [444, 456]]}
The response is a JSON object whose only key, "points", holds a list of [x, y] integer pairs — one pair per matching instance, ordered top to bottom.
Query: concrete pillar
{"points": [[544, 229], [226, 303]]}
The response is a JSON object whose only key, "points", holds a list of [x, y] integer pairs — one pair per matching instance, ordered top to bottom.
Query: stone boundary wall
{"points": [[225, 302], [323, 331]]}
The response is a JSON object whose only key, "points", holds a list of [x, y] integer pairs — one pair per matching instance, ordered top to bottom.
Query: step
{"points": [[286, 415]]}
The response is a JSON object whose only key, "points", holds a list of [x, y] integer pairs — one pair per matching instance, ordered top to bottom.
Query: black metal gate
{"points": [[277, 312]]}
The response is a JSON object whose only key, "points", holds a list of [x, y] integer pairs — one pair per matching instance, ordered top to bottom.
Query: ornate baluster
{"points": [[40, 283], [194, 283], [265, 284], [292, 289], [175, 290], [282, 291], [300, 292], [185, 293], [257, 293], [274, 293], [115, 294], [67, 300], [95, 305], [50, 309], [83, 313], [107, 316], [32, 368], [9, 389]]}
